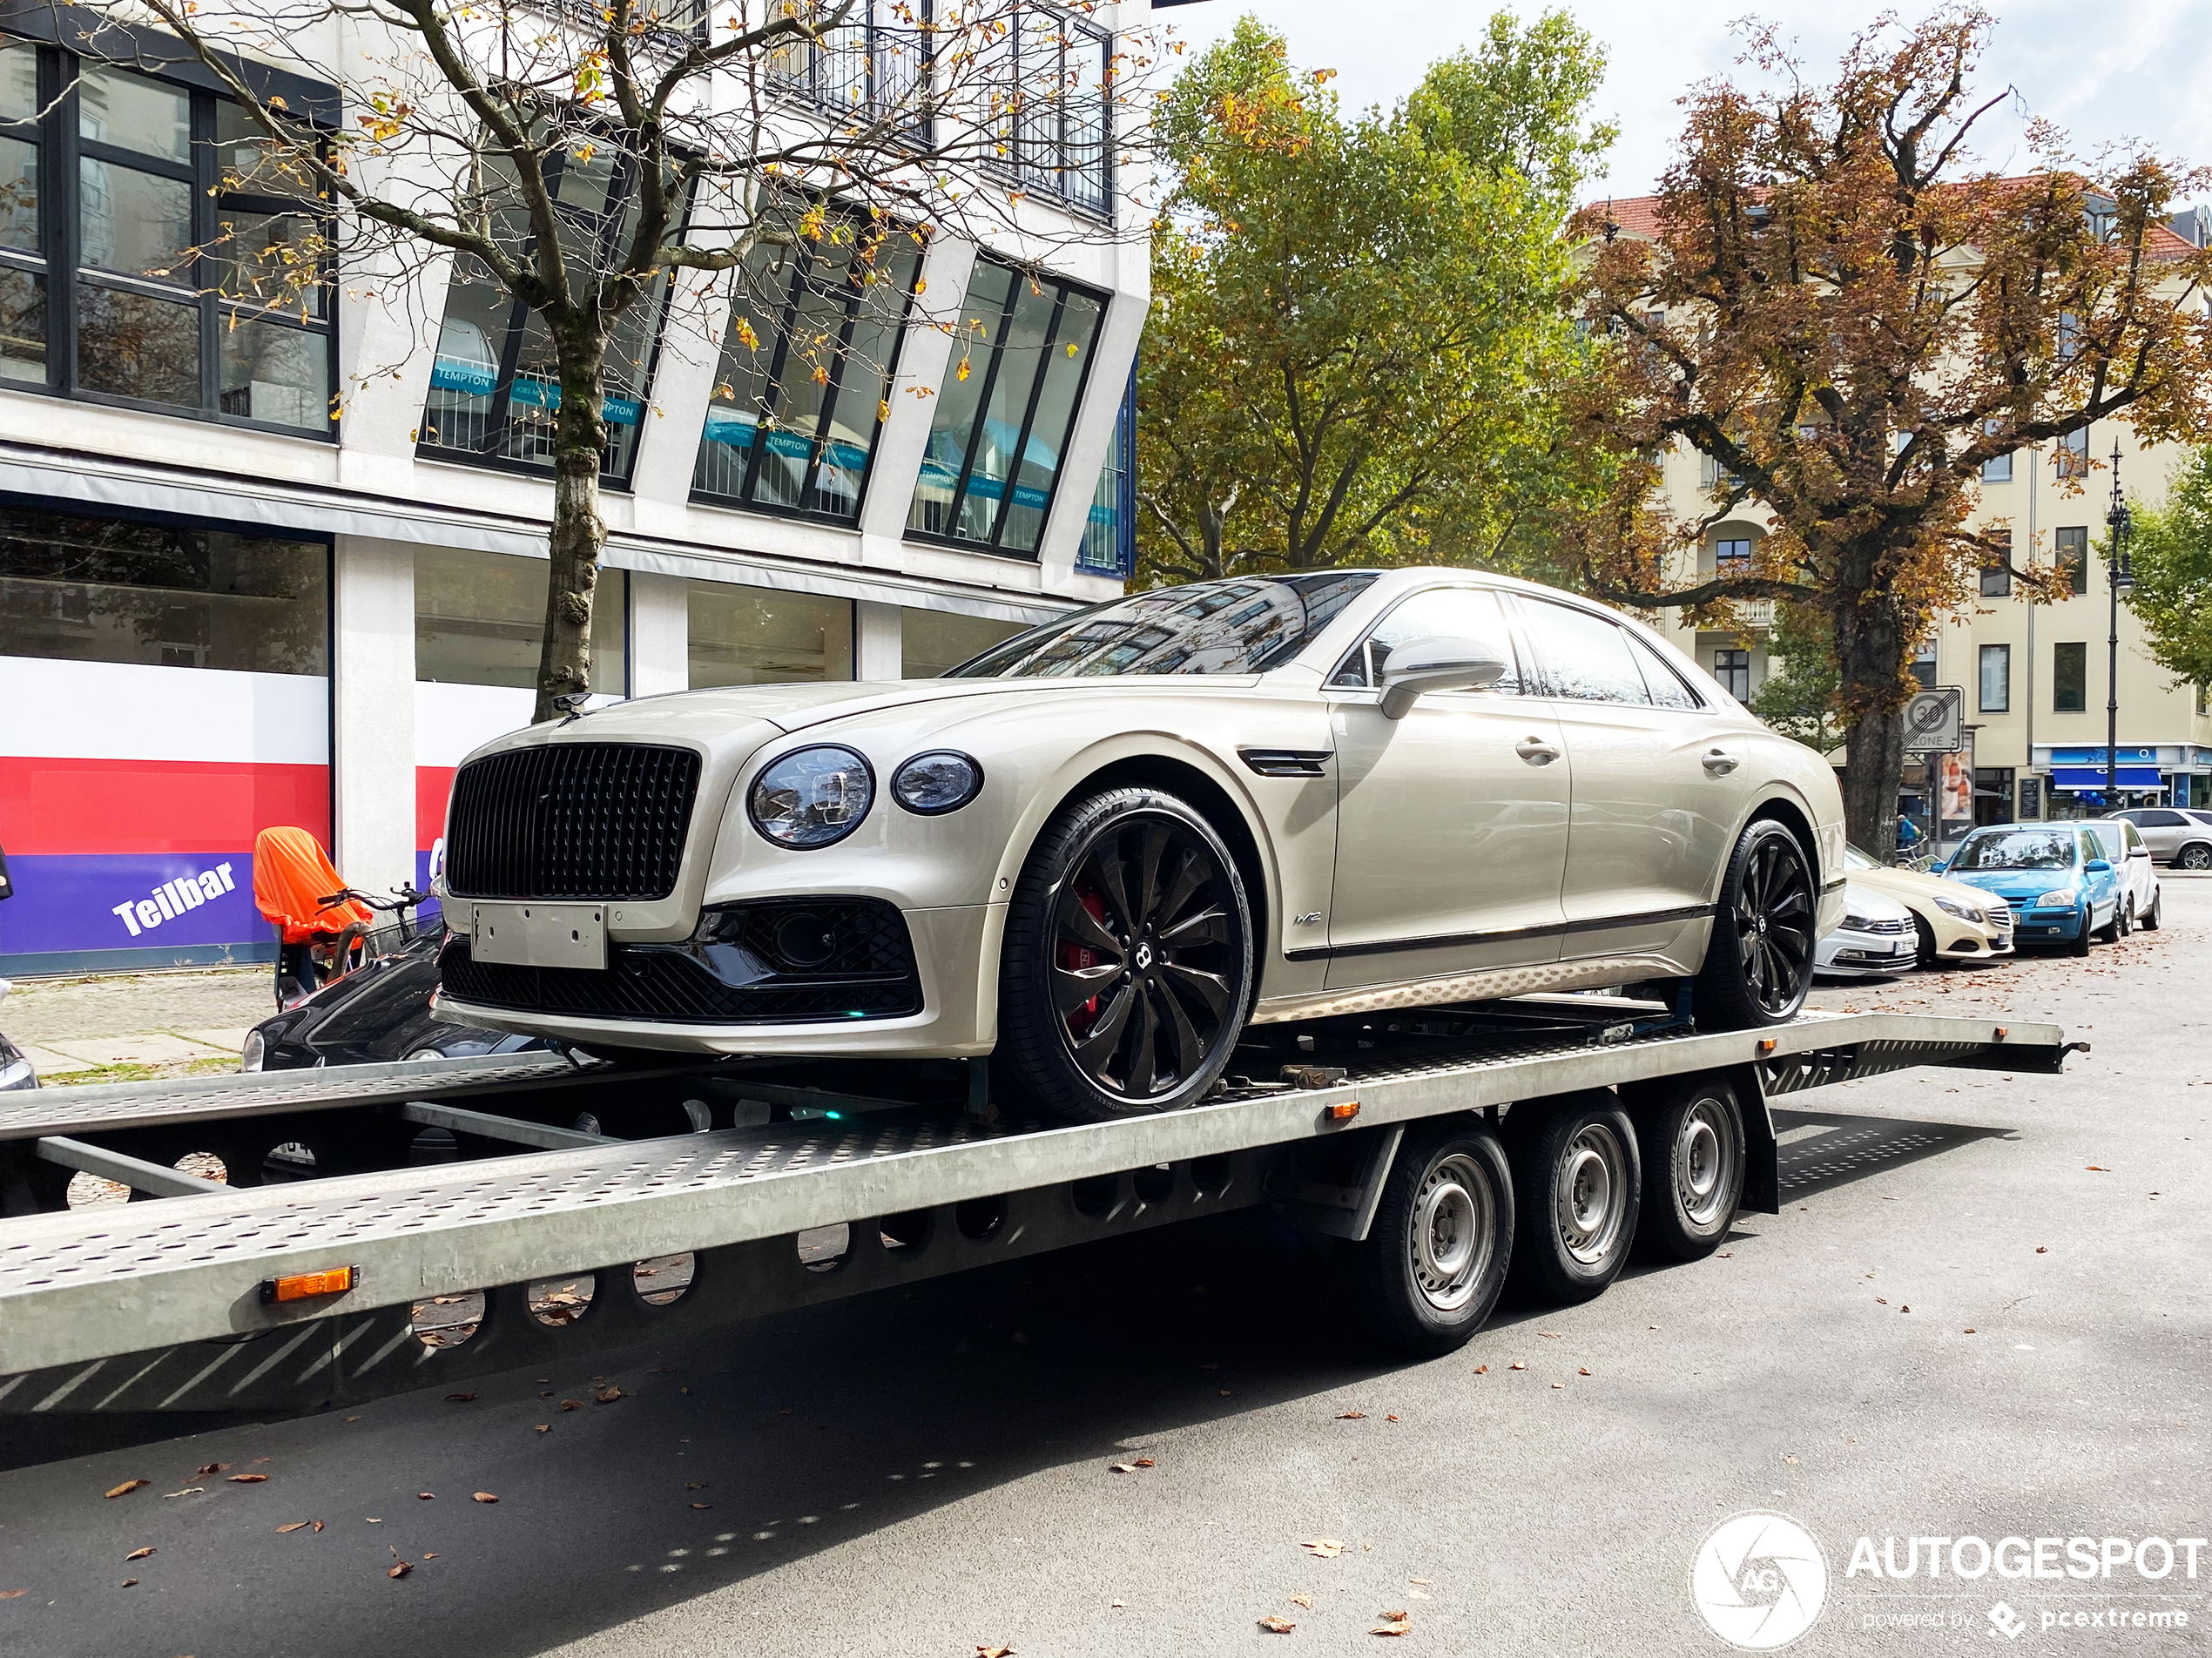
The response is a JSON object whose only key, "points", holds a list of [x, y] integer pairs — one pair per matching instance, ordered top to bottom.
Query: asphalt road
{"points": [[928, 1473]]}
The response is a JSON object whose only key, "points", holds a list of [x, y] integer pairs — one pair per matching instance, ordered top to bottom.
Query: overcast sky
{"points": [[2104, 71]]}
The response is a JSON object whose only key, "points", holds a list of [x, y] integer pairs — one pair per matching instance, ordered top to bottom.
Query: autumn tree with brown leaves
{"points": [[1850, 316]]}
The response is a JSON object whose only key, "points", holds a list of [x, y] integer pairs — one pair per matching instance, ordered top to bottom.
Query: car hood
{"points": [[794, 707], [2018, 883], [1906, 885], [1865, 902]]}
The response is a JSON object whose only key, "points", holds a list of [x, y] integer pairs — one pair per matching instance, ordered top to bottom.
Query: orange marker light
{"points": [[2001, 1033], [1766, 1044], [1344, 1110], [302, 1286]]}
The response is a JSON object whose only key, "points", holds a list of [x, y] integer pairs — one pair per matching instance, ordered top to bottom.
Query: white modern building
{"points": [[223, 606]]}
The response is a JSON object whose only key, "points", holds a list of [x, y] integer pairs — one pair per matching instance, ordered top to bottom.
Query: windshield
{"points": [[1234, 627], [2018, 849], [1854, 858]]}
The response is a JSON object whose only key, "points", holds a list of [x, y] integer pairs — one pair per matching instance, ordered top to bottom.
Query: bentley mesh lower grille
{"points": [[571, 820], [796, 962]]}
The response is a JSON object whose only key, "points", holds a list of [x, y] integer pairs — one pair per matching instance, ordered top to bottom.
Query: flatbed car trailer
{"points": [[386, 1228]]}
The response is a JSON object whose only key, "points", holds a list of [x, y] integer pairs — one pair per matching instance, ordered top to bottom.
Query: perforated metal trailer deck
{"points": [[696, 1196]]}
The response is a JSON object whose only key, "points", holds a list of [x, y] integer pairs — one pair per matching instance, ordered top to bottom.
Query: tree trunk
{"points": [[579, 533], [1869, 655]]}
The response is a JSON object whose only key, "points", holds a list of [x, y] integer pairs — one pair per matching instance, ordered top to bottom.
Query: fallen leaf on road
{"points": [[2096, 1168], [2042, 1248], [1881, 1301], [1904, 1309], [1970, 1330], [1548, 1335], [1516, 1365], [1482, 1369], [659, 1370], [1583, 1371], [1559, 1384], [1225, 1392], [609, 1395], [459, 1399], [571, 1404], [1351, 1416], [1390, 1418], [544, 1428], [1789, 1459], [1146, 1462], [1122, 1467], [202, 1472], [249, 1478], [695, 1485], [128, 1486], [189, 1491], [425, 1496], [484, 1497], [702, 1505], [296, 1525], [318, 1525], [1323, 1549], [431, 1554], [138, 1555], [399, 1568], [1421, 1579], [129, 1583], [13, 1594], [1305, 1601], [1394, 1623], [1277, 1626], [994, 1652]]}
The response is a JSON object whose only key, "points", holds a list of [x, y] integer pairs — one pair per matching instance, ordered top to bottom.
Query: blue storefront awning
{"points": [[2093, 776]]}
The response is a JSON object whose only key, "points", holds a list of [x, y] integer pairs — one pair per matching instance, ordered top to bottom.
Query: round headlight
{"points": [[939, 781], [812, 796], [254, 1053]]}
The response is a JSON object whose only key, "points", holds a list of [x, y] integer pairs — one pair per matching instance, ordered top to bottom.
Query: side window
{"points": [[1442, 612], [1585, 656], [1666, 686], [2159, 819], [2135, 839], [2089, 847]]}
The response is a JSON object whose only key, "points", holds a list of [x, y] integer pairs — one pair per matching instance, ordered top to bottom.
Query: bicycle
{"points": [[373, 942]]}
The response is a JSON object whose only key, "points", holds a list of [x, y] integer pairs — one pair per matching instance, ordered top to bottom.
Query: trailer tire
{"points": [[1694, 1162], [1578, 1188], [1434, 1262]]}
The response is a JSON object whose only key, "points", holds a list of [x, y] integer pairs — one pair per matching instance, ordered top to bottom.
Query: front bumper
{"points": [[2051, 924], [1959, 939], [1850, 954], [951, 1016]]}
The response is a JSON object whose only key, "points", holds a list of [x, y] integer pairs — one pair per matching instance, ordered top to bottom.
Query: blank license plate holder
{"points": [[539, 935]]}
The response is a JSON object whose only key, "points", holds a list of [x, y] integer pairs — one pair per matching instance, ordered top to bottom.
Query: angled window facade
{"points": [[148, 255], [808, 360], [494, 386], [1005, 411], [1109, 534]]}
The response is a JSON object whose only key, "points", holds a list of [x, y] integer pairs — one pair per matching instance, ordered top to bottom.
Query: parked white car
{"points": [[2176, 835], [1098, 851], [2129, 854], [1876, 936]]}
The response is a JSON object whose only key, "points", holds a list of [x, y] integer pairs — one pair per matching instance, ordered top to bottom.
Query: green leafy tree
{"points": [[1357, 323], [2171, 554]]}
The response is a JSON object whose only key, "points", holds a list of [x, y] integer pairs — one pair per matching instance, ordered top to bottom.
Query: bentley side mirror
{"points": [[1440, 662]]}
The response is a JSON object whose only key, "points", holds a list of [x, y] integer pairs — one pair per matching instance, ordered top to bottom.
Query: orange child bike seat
{"points": [[291, 872]]}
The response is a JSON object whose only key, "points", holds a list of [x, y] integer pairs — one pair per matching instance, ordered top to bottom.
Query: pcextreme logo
{"points": [[1758, 1581]]}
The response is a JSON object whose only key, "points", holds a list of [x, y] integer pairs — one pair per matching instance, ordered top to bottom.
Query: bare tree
{"points": [[710, 138]]}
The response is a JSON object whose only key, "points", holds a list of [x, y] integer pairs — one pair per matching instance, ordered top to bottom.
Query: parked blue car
{"points": [[2055, 876]]}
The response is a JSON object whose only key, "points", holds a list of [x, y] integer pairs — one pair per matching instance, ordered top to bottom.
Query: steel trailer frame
{"points": [[167, 1303]]}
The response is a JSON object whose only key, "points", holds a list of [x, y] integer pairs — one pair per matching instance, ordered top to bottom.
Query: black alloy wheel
{"points": [[1758, 964], [1127, 966]]}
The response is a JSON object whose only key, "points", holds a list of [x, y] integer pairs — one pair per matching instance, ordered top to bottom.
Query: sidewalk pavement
{"points": [[124, 1027]]}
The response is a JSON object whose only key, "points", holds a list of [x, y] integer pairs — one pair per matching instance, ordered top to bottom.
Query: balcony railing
{"points": [[874, 70]]}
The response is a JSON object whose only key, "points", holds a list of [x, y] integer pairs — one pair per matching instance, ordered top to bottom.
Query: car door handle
{"points": [[1535, 751], [1718, 762]]}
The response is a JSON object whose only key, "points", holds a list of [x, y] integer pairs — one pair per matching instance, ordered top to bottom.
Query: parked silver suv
{"points": [[2174, 835]]}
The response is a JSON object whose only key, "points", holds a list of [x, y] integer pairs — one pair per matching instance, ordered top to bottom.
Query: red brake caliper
{"points": [[1079, 956]]}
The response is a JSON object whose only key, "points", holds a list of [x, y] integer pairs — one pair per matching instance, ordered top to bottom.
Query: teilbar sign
{"points": [[174, 897]]}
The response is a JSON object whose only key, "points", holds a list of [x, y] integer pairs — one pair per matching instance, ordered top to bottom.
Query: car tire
{"points": [[2195, 855], [1133, 893], [2150, 918], [2115, 929], [2080, 943], [1929, 957], [1758, 963], [1690, 1137], [1577, 1190], [1434, 1262]]}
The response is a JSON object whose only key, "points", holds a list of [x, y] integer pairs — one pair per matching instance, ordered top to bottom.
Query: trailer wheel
{"points": [[1693, 1168], [1577, 1189], [1434, 1260]]}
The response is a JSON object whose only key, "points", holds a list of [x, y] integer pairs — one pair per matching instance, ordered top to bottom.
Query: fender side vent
{"points": [[1286, 762]]}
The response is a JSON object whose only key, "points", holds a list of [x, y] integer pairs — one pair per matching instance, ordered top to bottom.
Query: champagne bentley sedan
{"points": [[1100, 850]]}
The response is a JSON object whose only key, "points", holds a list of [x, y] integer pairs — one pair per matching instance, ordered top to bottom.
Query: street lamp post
{"points": [[2122, 579]]}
